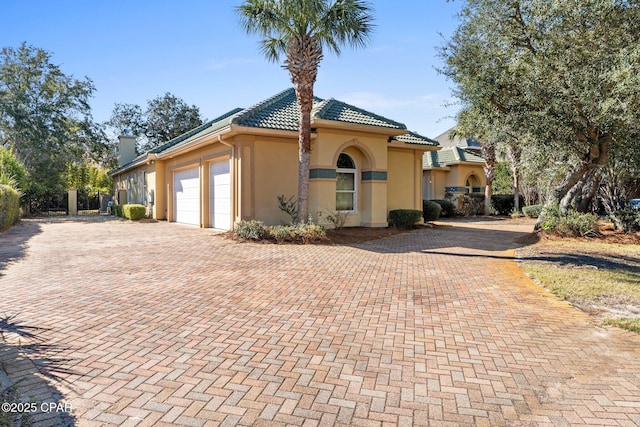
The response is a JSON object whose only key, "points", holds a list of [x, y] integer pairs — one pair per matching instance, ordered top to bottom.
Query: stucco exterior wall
{"points": [[199, 158], [262, 167], [273, 171], [404, 179]]}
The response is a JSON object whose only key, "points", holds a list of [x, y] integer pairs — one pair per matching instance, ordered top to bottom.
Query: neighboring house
{"points": [[451, 139], [234, 167], [451, 172]]}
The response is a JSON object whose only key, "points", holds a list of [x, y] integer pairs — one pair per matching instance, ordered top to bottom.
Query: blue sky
{"points": [[196, 49]]}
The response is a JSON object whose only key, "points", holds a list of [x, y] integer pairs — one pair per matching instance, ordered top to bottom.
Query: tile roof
{"points": [[332, 109], [280, 112], [195, 131], [414, 138], [449, 156]]}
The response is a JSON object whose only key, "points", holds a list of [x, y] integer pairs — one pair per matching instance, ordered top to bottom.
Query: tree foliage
{"points": [[300, 30], [559, 79], [45, 118], [164, 118], [12, 171]]}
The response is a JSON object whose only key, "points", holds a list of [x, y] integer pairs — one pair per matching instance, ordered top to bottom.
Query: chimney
{"points": [[126, 148]]}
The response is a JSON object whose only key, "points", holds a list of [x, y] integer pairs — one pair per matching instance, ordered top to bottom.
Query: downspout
{"points": [[233, 158]]}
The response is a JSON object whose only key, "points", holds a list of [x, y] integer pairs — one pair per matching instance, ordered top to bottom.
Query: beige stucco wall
{"points": [[199, 158], [263, 167], [273, 172], [458, 175], [133, 181], [404, 182], [433, 184]]}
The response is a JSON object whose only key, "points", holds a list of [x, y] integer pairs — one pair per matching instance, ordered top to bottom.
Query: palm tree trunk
{"points": [[303, 57], [305, 99]]}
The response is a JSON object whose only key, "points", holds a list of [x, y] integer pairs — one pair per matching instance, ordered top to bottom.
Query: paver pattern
{"points": [[171, 325]]}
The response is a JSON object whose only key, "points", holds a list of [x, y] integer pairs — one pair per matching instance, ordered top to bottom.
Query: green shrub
{"points": [[503, 203], [471, 204], [9, 207], [448, 209], [116, 210], [430, 210], [532, 211], [134, 212], [404, 218], [626, 219], [569, 224], [251, 230], [299, 233]]}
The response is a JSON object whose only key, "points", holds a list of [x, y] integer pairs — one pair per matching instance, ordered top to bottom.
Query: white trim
{"points": [[354, 172]]}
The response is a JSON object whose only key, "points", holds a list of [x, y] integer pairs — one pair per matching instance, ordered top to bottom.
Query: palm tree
{"points": [[300, 29]]}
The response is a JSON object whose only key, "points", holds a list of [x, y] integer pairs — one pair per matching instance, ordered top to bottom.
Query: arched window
{"points": [[472, 182], [346, 184]]}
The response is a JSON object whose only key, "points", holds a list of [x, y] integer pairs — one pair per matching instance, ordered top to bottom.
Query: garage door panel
{"points": [[186, 190], [220, 195]]}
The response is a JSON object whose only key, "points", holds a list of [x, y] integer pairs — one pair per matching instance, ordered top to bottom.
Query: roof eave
{"points": [[333, 124], [409, 146], [142, 159]]}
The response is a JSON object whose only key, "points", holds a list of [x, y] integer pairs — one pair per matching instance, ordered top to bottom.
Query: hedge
{"points": [[9, 207], [448, 208], [430, 210], [129, 211], [134, 212], [404, 218]]}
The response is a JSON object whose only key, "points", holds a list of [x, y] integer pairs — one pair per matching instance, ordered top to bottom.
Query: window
{"points": [[346, 184]]}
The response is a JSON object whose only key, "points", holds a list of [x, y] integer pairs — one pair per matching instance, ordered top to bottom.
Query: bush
{"points": [[503, 203], [471, 204], [9, 207], [448, 209], [116, 210], [430, 210], [532, 211], [134, 212], [404, 218], [626, 219], [571, 224], [251, 230], [298, 233]]}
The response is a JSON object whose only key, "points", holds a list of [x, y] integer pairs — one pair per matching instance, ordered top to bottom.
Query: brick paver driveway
{"points": [[166, 324]]}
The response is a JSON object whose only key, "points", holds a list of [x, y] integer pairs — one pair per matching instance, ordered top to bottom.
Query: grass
{"points": [[602, 279], [587, 283], [630, 324]]}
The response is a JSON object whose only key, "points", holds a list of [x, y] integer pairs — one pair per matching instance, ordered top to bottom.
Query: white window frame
{"points": [[354, 172]]}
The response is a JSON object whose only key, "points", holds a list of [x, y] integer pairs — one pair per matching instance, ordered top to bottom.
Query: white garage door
{"points": [[220, 195], [186, 196]]}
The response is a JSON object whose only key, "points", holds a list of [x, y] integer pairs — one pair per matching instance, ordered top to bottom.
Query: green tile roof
{"points": [[332, 109], [280, 112], [203, 127], [414, 138], [449, 156]]}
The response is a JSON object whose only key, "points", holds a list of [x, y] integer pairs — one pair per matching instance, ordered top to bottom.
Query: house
{"points": [[450, 138], [234, 167], [452, 172]]}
